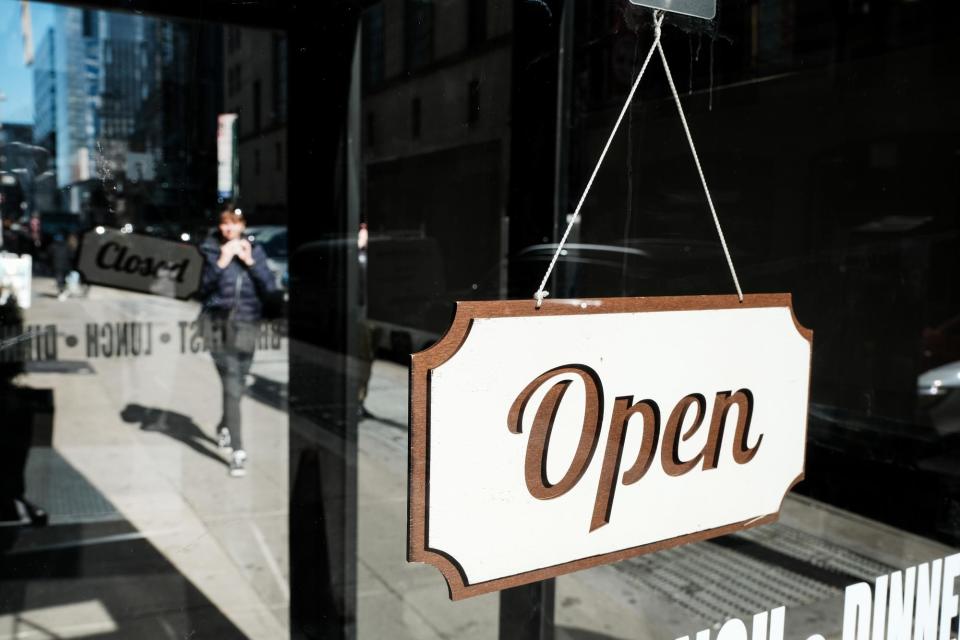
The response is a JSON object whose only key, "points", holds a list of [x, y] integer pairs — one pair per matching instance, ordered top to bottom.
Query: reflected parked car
{"points": [[273, 239], [647, 267], [411, 301], [941, 343], [939, 392]]}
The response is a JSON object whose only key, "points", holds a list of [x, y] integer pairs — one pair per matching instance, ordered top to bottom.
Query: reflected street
{"points": [[132, 454]]}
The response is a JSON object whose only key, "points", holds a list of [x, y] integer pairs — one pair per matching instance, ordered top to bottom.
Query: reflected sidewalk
{"points": [[222, 537]]}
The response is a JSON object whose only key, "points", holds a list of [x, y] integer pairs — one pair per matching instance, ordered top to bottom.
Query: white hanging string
{"points": [[657, 29], [696, 160], [541, 294]]}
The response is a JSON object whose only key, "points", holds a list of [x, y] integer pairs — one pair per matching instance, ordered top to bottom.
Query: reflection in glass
{"points": [[118, 512]]}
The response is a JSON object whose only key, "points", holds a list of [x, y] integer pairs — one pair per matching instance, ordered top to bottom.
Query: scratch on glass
{"points": [[10, 342]]}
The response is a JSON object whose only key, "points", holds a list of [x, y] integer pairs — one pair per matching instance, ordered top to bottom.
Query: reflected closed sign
{"points": [[140, 263], [544, 442]]}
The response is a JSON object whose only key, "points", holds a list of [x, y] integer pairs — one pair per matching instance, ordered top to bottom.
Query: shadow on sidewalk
{"points": [[269, 392], [176, 425], [102, 579]]}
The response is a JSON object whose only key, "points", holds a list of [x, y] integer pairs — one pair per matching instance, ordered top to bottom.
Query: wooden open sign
{"points": [[589, 431]]}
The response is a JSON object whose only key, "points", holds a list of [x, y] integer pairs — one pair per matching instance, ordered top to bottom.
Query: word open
{"points": [[624, 408]]}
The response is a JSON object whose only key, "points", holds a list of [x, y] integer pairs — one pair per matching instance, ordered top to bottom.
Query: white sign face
{"points": [[140, 263], [16, 275], [547, 441]]}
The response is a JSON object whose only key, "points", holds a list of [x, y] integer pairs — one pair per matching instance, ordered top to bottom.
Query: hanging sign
{"points": [[140, 263], [545, 441]]}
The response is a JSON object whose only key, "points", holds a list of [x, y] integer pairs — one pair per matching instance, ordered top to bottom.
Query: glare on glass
{"points": [[698, 8]]}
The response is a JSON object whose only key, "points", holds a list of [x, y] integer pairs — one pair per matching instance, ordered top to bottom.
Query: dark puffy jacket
{"points": [[237, 288]]}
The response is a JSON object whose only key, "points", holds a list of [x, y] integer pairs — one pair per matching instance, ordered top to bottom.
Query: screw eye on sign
{"points": [[547, 441]]}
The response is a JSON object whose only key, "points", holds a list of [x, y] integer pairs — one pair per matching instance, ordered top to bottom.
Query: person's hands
{"points": [[228, 250], [245, 252]]}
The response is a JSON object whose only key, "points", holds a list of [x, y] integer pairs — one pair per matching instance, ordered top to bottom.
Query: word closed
{"points": [[115, 256], [140, 263], [624, 409]]}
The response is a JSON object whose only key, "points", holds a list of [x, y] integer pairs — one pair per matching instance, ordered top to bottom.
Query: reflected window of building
{"points": [[476, 22], [418, 33], [373, 49], [279, 79], [473, 102], [256, 106], [415, 118], [370, 131]]}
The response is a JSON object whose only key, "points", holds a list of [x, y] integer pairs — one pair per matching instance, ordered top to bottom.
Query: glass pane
{"points": [[825, 134], [829, 177], [144, 283], [143, 443]]}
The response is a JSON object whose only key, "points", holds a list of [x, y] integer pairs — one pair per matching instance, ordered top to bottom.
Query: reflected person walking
{"points": [[234, 285]]}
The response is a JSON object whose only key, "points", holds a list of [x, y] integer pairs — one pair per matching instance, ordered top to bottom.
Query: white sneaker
{"points": [[237, 462]]}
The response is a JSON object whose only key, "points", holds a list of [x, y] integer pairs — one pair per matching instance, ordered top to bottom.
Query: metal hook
{"points": [[706, 9]]}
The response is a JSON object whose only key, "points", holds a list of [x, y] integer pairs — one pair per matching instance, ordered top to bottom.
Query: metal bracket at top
{"points": [[706, 9]]}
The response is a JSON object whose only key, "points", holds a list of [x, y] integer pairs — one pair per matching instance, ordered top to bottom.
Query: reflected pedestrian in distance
{"points": [[36, 235], [11, 237], [61, 261], [235, 283], [18, 408]]}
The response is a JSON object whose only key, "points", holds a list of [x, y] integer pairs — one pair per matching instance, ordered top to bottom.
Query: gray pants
{"points": [[233, 360], [233, 368]]}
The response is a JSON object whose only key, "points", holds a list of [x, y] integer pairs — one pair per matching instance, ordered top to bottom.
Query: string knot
{"points": [[657, 24], [539, 296]]}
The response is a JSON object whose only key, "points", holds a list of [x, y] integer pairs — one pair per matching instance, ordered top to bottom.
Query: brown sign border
{"points": [[422, 363]]}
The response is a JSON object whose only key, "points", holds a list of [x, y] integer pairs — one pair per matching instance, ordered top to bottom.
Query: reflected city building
{"points": [[436, 141]]}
